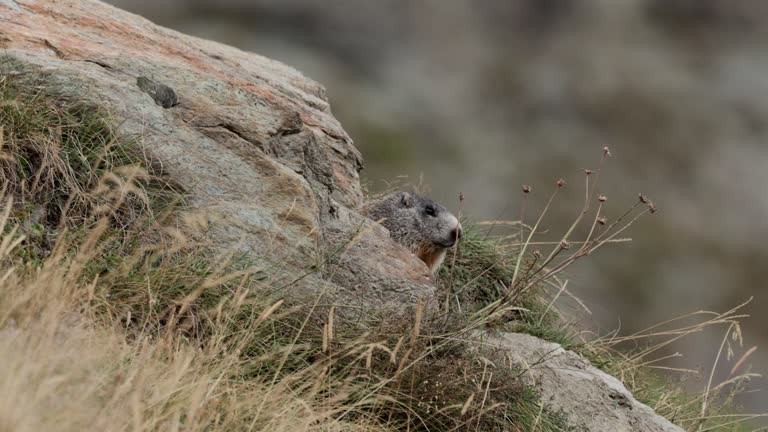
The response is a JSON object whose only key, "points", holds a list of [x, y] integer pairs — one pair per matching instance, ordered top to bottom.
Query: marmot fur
{"points": [[418, 223]]}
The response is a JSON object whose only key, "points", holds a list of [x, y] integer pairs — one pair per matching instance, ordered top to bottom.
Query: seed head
{"points": [[606, 151], [587, 171], [560, 183], [526, 189], [461, 197], [602, 198], [644, 199], [652, 207], [602, 220], [564, 244], [537, 254]]}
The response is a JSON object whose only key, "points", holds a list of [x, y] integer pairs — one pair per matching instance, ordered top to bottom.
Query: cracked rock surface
{"points": [[252, 141]]}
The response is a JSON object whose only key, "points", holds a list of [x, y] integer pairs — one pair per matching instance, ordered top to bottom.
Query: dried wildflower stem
{"points": [[600, 166], [526, 191], [588, 196], [584, 210], [617, 221], [592, 229], [530, 236], [610, 238], [579, 243], [563, 244], [588, 247], [555, 253], [568, 261], [531, 266], [557, 284], [450, 290], [552, 302], [494, 306]]}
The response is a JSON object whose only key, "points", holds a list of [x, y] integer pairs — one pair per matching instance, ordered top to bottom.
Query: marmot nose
{"points": [[456, 233]]}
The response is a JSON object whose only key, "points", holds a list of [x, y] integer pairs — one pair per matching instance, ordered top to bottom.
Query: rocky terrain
{"points": [[519, 92], [252, 140], [254, 145]]}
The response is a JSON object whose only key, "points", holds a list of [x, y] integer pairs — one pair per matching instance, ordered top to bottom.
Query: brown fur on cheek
{"points": [[432, 256]]}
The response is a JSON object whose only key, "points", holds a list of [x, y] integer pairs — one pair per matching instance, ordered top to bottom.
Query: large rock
{"points": [[251, 140], [255, 146], [591, 399]]}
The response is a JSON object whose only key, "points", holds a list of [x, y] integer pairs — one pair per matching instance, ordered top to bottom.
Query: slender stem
{"points": [[530, 236], [453, 261]]}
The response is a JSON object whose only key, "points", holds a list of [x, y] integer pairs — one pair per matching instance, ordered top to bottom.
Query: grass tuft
{"points": [[512, 283], [115, 314]]}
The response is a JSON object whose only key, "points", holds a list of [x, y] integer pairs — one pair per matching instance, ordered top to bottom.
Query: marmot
{"points": [[418, 223]]}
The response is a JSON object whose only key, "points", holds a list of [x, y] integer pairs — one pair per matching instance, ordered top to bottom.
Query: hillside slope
{"points": [[253, 146]]}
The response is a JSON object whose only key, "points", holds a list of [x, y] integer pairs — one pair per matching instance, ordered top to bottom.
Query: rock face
{"points": [[253, 141], [256, 147], [592, 399]]}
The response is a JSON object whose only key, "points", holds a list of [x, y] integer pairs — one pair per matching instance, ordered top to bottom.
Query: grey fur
{"points": [[418, 223]]}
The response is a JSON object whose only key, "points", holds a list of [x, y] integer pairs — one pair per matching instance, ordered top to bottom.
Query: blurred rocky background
{"points": [[481, 97]]}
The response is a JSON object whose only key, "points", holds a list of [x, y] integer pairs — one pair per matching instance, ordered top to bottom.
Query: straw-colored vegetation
{"points": [[115, 315]]}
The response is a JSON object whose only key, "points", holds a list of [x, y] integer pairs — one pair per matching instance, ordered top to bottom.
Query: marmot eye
{"points": [[429, 210]]}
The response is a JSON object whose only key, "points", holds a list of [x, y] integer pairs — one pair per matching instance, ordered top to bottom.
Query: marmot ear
{"points": [[406, 199]]}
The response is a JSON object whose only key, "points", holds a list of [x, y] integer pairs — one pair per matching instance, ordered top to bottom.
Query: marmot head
{"points": [[420, 224]]}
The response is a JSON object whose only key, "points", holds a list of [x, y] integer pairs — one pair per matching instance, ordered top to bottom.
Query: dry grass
{"points": [[499, 282], [114, 315], [110, 316], [75, 358], [636, 360], [65, 367]]}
